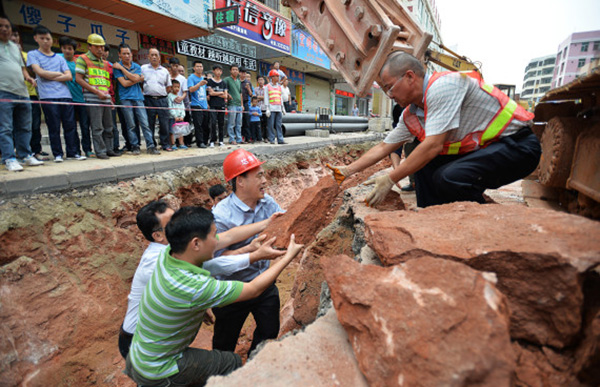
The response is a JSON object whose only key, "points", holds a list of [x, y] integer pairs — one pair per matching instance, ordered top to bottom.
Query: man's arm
{"points": [[50, 75], [28, 77], [132, 78], [80, 79], [198, 85], [420, 156], [240, 233], [259, 284]]}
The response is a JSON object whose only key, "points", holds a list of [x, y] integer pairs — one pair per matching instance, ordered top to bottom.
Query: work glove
{"points": [[268, 113], [340, 173], [383, 185]]}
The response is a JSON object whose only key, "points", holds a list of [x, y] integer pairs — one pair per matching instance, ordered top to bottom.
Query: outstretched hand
{"points": [[340, 172], [383, 185], [293, 247], [266, 250]]}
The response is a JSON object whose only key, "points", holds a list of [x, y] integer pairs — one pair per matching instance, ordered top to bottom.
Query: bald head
{"points": [[399, 63]]}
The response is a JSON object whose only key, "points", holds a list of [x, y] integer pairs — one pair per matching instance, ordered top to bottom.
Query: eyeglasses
{"points": [[389, 92]]}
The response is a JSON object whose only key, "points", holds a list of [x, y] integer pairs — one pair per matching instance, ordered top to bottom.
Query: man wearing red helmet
{"points": [[275, 108], [247, 204]]}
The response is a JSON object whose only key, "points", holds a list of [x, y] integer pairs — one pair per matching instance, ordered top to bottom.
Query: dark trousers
{"points": [[65, 114], [81, 115], [163, 118], [217, 122], [263, 124], [36, 125], [200, 125], [101, 127], [255, 131], [246, 132], [447, 179], [230, 319], [124, 342], [195, 367]]}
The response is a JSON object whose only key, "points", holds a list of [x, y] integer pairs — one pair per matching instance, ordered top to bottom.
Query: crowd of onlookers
{"points": [[88, 91]]}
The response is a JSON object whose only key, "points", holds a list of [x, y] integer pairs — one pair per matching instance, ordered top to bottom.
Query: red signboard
{"points": [[260, 24], [164, 46], [344, 93]]}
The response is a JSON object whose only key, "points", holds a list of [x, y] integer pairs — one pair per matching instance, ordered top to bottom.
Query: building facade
{"points": [[577, 51], [538, 78]]}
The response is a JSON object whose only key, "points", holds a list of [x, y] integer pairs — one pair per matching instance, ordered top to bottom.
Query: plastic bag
{"points": [[180, 129]]}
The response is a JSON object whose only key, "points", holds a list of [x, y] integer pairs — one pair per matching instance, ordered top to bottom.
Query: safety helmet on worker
{"points": [[96, 40], [273, 73], [238, 162]]}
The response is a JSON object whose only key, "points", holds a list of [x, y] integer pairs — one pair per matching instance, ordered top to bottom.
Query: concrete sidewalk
{"points": [[70, 174]]}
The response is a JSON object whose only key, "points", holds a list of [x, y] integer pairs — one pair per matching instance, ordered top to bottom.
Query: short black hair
{"points": [[41, 30], [66, 41], [124, 45], [106, 47], [173, 60], [198, 62], [234, 65], [217, 67], [243, 69], [175, 81], [254, 98], [216, 190], [146, 218], [186, 224]]}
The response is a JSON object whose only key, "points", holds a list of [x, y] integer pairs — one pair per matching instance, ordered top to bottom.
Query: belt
{"points": [[155, 96]]}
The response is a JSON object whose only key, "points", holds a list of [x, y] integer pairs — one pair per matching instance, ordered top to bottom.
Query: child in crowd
{"points": [[53, 73], [177, 113], [255, 117], [217, 193]]}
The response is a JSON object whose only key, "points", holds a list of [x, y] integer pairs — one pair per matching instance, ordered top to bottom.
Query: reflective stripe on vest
{"points": [[98, 77], [274, 94], [508, 111]]}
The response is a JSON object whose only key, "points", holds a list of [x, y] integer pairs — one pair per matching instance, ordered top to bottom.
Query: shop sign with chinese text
{"points": [[223, 17], [60, 23], [260, 24], [164, 46], [186, 47], [305, 47]]}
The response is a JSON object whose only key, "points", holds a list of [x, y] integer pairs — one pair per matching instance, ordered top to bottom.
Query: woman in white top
{"points": [[286, 95]]}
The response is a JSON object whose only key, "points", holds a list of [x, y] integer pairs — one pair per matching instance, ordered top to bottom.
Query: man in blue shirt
{"points": [[68, 47], [52, 74], [129, 76], [197, 87], [247, 204]]}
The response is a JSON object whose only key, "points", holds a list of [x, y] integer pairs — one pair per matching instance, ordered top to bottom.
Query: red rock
{"points": [[306, 216], [539, 256], [427, 322], [542, 368]]}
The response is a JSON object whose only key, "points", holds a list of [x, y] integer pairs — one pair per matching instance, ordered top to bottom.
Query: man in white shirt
{"points": [[157, 84], [152, 220]]}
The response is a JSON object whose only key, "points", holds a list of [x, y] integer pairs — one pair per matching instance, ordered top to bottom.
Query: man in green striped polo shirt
{"points": [[175, 299]]}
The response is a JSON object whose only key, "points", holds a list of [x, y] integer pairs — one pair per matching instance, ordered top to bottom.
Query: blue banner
{"points": [[305, 47]]}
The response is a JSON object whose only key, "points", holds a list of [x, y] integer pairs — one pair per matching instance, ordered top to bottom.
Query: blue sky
{"points": [[506, 35]]}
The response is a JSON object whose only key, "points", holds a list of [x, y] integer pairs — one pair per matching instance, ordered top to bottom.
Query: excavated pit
{"points": [[67, 261]]}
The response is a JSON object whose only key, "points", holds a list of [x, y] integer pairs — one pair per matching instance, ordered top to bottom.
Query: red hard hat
{"points": [[273, 73], [238, 162]]}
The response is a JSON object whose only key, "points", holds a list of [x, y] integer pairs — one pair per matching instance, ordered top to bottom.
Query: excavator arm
{"points": [[358, 35]]}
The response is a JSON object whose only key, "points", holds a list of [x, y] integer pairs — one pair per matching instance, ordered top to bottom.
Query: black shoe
{"points": [[282, 143], [202, 146], [136, 151], [152, 151], [113, 154], [102, 156], [408, 188]]}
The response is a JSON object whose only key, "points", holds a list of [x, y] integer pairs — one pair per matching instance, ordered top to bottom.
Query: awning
{"points": [[136, 17]]}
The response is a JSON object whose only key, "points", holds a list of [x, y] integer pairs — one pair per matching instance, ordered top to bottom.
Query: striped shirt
{"points": [[81, 68], [455, 103], [171, 312]]}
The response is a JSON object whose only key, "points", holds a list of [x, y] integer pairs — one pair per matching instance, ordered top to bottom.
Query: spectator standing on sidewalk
{"points": [[68, 47], [52, 75], [92, 75], [282, 75], [129, 77], [157, 83], [246, 85], [197, 90], [217, 90], [262, 95], [286, 95], [114, 96], [234, 106], [275, 108], [36, 110], [188, 114], [176, 115], [15, 117], [255, 118]]}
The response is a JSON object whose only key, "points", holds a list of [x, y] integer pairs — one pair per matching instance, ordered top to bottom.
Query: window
{"points": [[273, 4], [584, 46], [596, 46], [581, 63], [547, 80]]}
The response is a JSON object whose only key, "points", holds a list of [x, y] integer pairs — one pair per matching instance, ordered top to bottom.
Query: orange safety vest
{"points": [[98, 77], [274, 94], [508, 111]]}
